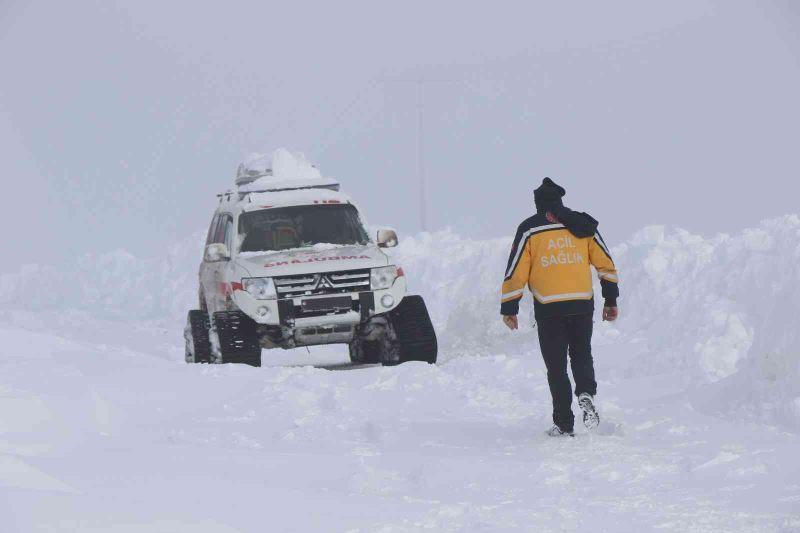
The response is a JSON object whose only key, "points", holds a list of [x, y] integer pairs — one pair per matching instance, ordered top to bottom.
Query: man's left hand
{"points": [[610, 314], [511, 321]]}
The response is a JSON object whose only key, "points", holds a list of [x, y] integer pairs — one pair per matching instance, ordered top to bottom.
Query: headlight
{"points": [[383, 278], [260, 288]]}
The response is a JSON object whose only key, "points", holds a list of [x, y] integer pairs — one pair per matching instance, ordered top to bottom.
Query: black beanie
{"points": [[548, 195]]}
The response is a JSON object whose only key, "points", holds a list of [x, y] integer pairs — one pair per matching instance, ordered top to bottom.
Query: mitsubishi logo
{"points": [[322, 282]]}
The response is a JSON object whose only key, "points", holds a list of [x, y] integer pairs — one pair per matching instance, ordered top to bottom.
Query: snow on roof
{"points": [[280, 170], [266, 200]]}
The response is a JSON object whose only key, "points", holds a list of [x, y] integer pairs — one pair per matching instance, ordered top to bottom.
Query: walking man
{"points": [[552, 254]]}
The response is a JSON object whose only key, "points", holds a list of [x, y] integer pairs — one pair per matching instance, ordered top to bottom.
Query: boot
{"points": [[591, 419], [556, 431]]}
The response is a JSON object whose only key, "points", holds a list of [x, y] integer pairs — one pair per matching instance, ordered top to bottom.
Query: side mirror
{"points": [[387, 238], [217, 252]]}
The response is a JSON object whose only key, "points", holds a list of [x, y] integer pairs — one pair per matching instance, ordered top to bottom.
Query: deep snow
{"points": [[104, 428]]}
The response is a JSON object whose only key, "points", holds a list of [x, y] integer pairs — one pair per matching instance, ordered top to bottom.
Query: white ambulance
{"points": [[289, 263]]}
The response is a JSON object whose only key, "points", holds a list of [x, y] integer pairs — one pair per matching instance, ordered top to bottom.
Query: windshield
{"points": [[300, 227]]}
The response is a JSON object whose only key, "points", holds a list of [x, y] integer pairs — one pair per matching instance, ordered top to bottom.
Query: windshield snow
{"points": [[300, 227]]}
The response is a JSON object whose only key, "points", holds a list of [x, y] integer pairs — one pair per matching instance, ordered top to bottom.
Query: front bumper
{"points": [[289, 312]]}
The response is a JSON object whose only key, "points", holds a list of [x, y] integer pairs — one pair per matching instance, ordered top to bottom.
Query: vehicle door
{"points": [[205, 267], [218, 270]]}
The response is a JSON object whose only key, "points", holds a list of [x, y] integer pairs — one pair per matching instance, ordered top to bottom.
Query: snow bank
{"points": [[111, 285], [714, 302], [712, 310], [720, 311]]}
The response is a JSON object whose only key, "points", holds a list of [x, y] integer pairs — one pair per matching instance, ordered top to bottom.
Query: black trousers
{"points": [[559, 336]]}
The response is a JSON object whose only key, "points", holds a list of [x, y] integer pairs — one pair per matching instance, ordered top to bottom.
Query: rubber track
{"points": [[198, 321], [415, 332], [238, 338]]}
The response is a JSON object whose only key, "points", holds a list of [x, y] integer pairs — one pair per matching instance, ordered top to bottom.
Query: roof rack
{"points": [[279, 185], [301, 186]]}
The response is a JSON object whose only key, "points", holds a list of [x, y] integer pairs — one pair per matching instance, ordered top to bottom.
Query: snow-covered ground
{"points": [[104, 428]]}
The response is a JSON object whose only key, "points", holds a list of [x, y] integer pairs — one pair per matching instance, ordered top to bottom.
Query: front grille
{"points": [[320, 284]]}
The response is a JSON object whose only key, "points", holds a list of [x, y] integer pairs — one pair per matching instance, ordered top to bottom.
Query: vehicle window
{"points": [[300, 227], [212, 230], [228, 232], [219, 234]]}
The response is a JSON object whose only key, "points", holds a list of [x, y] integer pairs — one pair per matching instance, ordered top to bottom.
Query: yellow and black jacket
{"points": [[552, 255]]}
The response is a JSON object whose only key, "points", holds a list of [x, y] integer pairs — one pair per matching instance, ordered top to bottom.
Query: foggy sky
{"points": [[119, 121]]}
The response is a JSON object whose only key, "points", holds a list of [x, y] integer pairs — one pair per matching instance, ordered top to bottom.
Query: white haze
{"points": [[120, 121]]}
